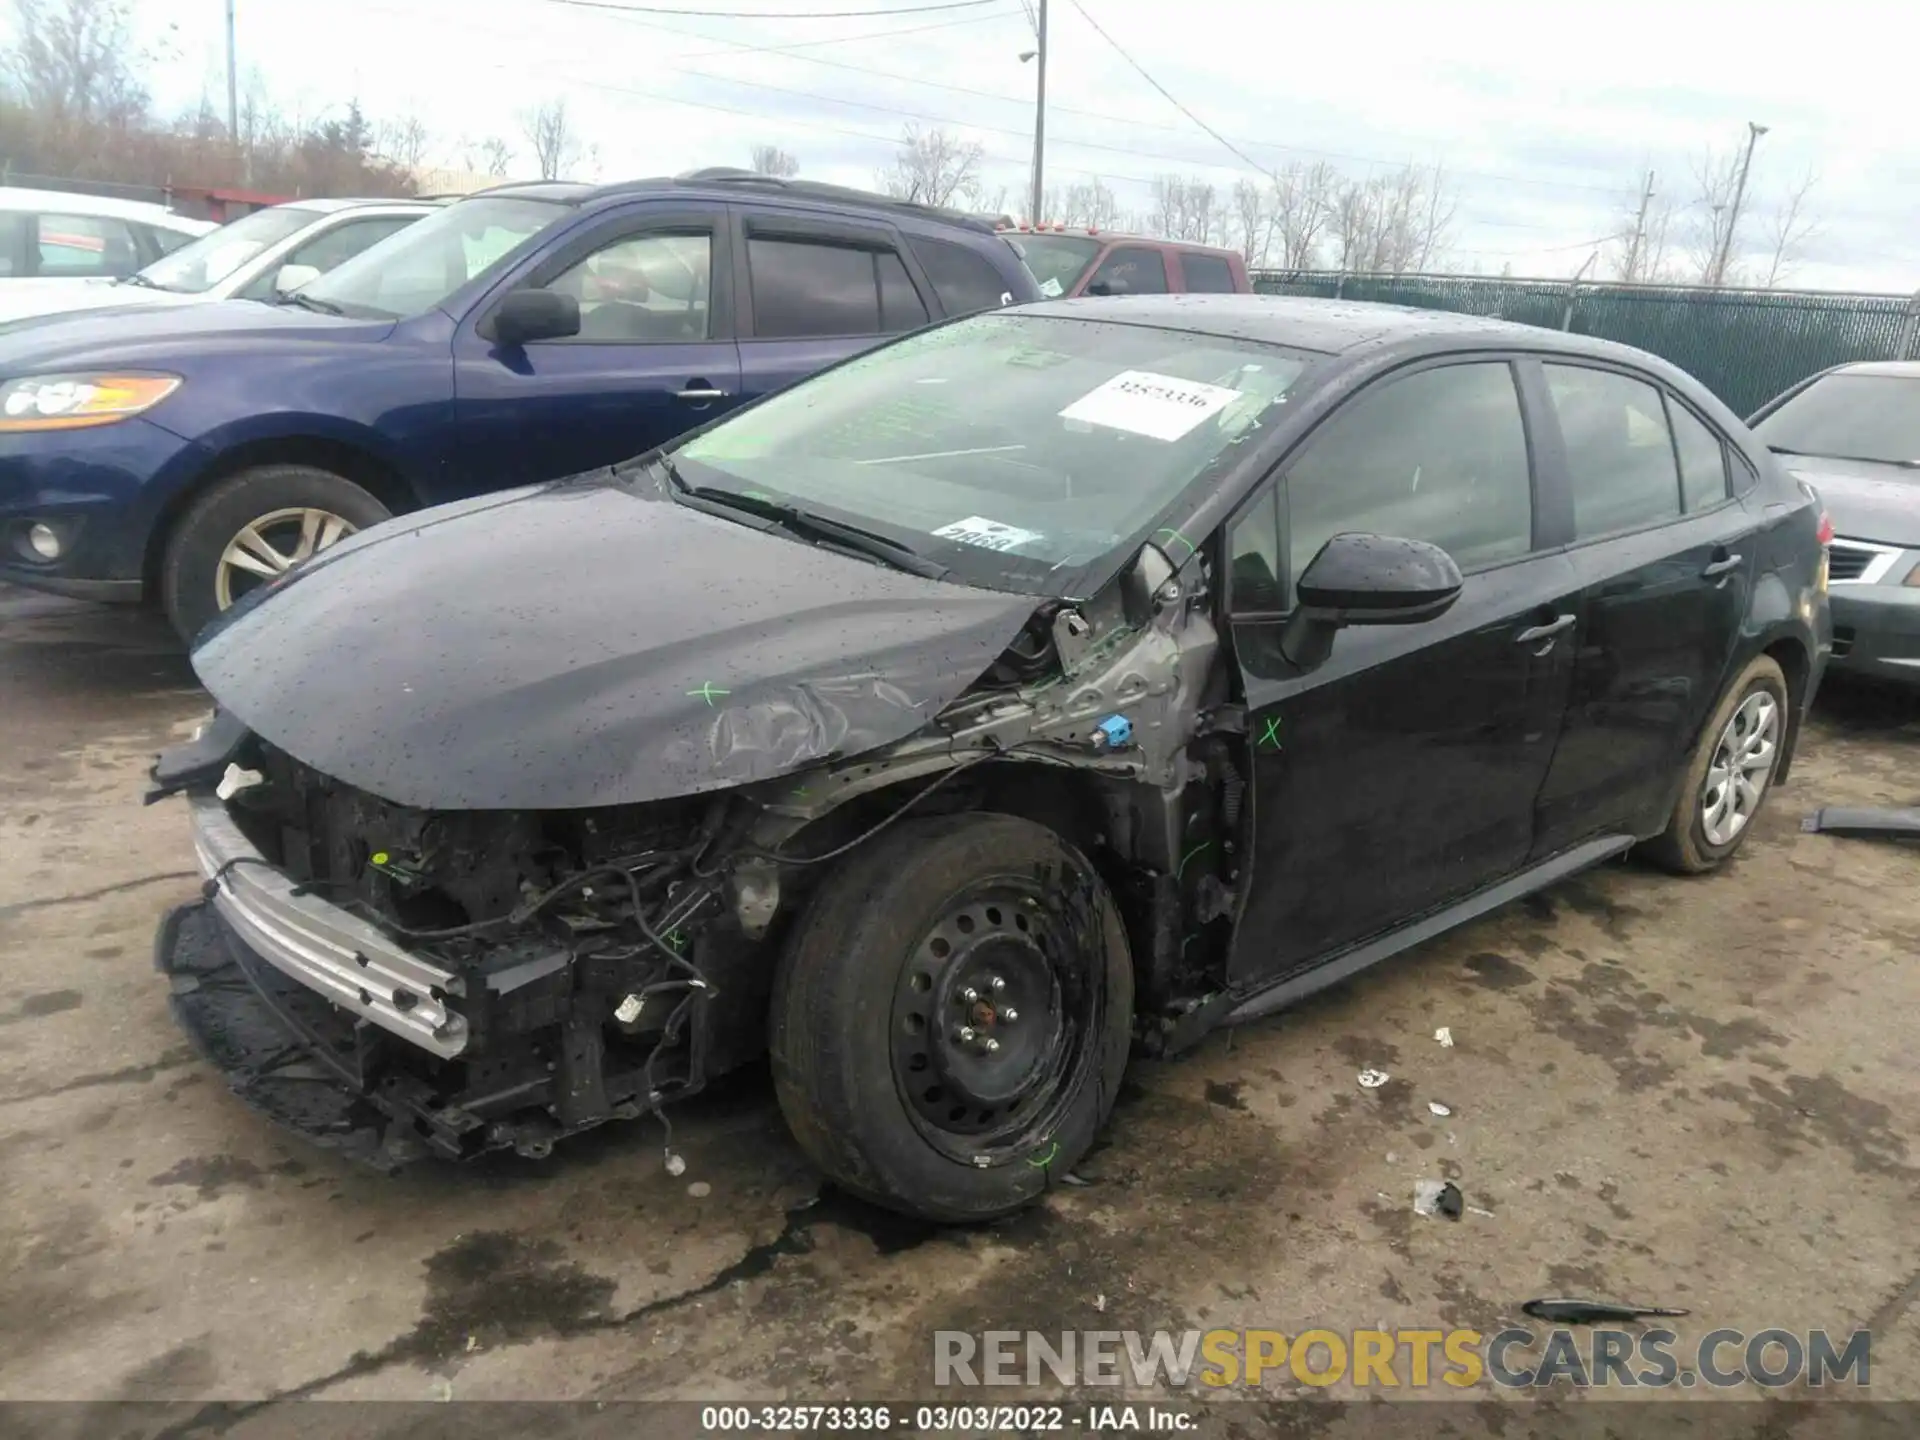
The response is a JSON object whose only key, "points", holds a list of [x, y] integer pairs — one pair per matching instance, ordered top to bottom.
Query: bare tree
{"points": [[76, 63], [549, 130], [403, 141], [496, 157], [772, 160], [932, 167], [986, 199], [1091, 204], [1185, 208], [1299, 210], [1254, 223], [1393, 224], [1789, 229], [1637, 253]]}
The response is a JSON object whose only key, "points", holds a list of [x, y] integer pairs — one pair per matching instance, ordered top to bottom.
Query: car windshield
{"points": [[1057, 261], [197, 267], [409, 273], [1850, 417], [1015, 450]]}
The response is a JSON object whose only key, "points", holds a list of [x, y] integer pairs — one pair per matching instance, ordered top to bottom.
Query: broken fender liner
{"points": [[244, 1020]]}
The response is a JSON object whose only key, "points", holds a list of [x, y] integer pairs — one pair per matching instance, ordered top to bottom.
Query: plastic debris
{"points": [[1115, 732], [236, 780], [628, 1010], [1445, 1036], [1371, 1079], [1438, 1109], [676, 1166], [1080, 1182], [699, 1189], [1438, 1197], [1481, 1210], [1100, 1303], [1593, 1312]]}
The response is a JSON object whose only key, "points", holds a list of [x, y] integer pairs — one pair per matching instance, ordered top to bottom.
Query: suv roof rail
{"points": [[820, 190]]}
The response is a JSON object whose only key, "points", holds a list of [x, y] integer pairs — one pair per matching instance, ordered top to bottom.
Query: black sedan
{"points": [[1853, 433], [1046, 685]]}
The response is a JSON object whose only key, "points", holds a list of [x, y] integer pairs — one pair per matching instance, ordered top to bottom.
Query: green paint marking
{"points": [[1191, 547], [706, 692], [1271, 735], [380, 857], [1181, 868], [674, 940], [1047, 1159]]}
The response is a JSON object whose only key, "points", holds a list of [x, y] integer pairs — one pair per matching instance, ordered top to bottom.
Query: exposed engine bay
{"points": [[486, 979]]}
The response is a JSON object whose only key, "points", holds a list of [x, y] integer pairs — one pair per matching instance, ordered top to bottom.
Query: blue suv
{"points": [[524, 333]]}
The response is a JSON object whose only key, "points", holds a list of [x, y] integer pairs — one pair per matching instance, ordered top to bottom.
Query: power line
{"points": [[772, 14], [735, 46]]}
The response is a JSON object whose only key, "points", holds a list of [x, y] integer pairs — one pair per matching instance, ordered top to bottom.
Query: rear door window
{"points": [[83, 245], [1130, 270], [1207, 274], [963, 281], [801, 288], [1439, 455], [1620, 457], [1703, 461]]}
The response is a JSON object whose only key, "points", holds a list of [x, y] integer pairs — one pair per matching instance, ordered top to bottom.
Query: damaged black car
{"points": [[1042, 688]]}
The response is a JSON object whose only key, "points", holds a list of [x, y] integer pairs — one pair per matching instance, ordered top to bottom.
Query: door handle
{"points": [[700, 390], [1720, 567], [1536, 633]]}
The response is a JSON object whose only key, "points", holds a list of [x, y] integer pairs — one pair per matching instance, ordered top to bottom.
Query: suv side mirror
{"points": [[292, 277], [1100, 287], [524, 316], [1366, 580]]}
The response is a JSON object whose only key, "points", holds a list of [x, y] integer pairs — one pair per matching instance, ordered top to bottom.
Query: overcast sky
{"points": [[1546, 117]]}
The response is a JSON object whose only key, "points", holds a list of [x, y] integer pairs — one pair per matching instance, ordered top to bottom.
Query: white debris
{"points": [[236, 780], [628, 1010], [1445, 1036], [1371, 1079], [1438, 1109], [675, 1165], [699, 1189], [1426, 1196], [1479, 1211], [1100, 1303]]}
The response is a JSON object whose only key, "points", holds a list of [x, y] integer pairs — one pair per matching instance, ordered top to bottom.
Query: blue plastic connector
{"points": [[1115, 732]]}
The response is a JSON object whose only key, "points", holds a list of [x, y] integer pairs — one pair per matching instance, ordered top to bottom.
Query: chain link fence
{"points": [[1745, 345]]}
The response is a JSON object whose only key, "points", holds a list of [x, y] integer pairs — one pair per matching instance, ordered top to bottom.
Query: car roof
{"points": [[722, 182], [18, 197], [333, 205], [1113, 237], [1331, 327], [1900, 369]]}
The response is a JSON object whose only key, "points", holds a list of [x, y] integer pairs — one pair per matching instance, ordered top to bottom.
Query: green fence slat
{"points": [[1745, 345]]}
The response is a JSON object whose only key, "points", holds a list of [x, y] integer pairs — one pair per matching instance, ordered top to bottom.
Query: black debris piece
{"points": [[1864, 823], [1593, 1312]]}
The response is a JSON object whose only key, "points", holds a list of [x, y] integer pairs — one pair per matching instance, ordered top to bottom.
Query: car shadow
{"points": [[72, 653], [1855, 706]]}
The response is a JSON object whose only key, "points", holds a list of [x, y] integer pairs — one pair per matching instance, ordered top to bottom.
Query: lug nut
{"points": [[998, 984], [970, 995], [1009, 1014], [963, 1034], [992, 1045]]}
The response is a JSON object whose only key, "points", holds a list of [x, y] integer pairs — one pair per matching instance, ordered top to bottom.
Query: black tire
{"points": [[189, 570], [1684, 847], [865, 960]]}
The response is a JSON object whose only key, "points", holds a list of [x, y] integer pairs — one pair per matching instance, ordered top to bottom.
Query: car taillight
{"points": [[1826, 528]]}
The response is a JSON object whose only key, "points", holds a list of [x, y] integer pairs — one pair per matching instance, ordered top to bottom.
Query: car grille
{"points": [[1850, 561], [1842, 641]]}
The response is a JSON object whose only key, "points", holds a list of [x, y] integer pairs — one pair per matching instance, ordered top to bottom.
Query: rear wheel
{"points": [[251, 528], [1728, 773], [950, 1020]]}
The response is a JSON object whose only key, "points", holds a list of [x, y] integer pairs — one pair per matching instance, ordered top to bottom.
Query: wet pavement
{"points": [[1690, 1093]]}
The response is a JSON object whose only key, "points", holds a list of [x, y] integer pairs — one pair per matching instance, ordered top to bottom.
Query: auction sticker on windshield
{"points": [[1163, 407], [987, 534]]}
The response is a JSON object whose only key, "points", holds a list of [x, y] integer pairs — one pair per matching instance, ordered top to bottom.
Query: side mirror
{"points": [[292, 277], [1100, 287], [528, 315], [1366, 580]]}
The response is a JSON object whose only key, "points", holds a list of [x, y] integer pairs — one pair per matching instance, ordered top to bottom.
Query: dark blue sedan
{"points": [[525, 333]]}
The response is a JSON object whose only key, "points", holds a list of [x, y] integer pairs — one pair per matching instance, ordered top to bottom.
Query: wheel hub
{"points": [[979, 1020]]}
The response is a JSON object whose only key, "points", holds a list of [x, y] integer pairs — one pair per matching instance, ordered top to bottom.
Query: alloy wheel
{"points": [[270, 546], [1741, 768]]}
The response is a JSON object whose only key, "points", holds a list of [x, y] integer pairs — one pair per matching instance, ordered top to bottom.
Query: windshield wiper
{"points": [[138, 279], [309, 302], [1851, 459], [810, 526]]}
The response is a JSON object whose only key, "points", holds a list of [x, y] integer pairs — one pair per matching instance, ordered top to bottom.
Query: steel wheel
{"points": [[273, 544], [1742, 766], [991, 1023]]}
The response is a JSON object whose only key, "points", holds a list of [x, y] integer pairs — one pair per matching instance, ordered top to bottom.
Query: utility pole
{"points": [[233, 97], [1039, 113], [1754, 132], [1635, 249]]}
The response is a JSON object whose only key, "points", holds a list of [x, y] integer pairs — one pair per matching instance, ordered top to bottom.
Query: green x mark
{"points": [[706, 692], [1271, 735], [674, 940]]}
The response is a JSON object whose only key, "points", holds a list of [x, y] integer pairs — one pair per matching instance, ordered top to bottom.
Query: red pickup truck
{"points": [[1089, 262]]}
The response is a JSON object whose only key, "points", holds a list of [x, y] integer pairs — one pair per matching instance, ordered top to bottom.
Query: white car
{"points": [[51, 240], [252, 258]]}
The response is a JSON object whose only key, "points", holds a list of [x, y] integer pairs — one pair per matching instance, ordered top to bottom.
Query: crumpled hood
{"points": [[1866, 500], [590, 642]]}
